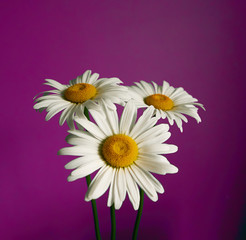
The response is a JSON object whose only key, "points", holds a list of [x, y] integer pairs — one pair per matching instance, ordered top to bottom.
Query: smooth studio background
{"points": [[199, 45]]}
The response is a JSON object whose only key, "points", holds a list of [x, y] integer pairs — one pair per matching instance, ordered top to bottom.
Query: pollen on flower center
{"points": [[80, 92], [159, 101], [119, 150]]}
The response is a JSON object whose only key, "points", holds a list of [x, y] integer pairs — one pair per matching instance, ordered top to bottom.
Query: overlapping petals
{"points": [[107, 89], [183, 102], [121, 181]]}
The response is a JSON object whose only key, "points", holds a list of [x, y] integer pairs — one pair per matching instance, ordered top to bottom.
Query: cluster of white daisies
{"points": [[123, 150]]}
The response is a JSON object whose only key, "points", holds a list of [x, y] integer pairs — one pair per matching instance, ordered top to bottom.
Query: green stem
{"points": [[86, 112], [93, 202], [94, 209], [140, 210], [113, 222]]}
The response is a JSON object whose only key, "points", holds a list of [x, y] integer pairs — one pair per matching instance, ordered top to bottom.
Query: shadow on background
{"points": [[242, 228], [144, 234]]}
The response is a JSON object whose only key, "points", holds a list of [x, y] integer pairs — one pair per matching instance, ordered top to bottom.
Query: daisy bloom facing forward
{"points": [[84, 91], [169, 102], [124, 151]]}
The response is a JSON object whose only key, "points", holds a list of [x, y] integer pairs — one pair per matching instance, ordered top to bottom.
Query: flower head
{"points": [[84, 91], [169, 102], [124, 151]]}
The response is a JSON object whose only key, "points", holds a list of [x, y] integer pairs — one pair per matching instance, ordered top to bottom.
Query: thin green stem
{"points": [[86, 112], [93, 202], [94, 209], [140, 210], [113, 222]]}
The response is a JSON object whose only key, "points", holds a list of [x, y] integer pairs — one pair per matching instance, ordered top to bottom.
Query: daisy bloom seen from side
{"points": [[84, 91], [169, 102], [124, 151]]}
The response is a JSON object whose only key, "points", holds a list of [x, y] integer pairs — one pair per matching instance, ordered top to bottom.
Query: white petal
{"points": [[86, 76], [93, 78], [78, 80], [74, 81], [108, 81], [55, 84], [139, 85], [148, 87], [155, 87], [165, 87], [169, 91], [177, 92], [45, 93], [137, 93], [181, 95], [50, 97], [57, 103], [109, 103], [43, 104], [91, 104], [200, 105], [80, 109], [54, 110], [188, 111], [66, 113], [158, 113], [163, 114], [181, 116], [112, 117], [169, 117], [128, 118], [70, 120], [100, 120], [145, 122], [179, 123], [91, 128], [152, 132], [84, 135], [73, 140], [155, 140], [159, 149], [78, 150], [152, 156], [81, 161], [87, 167], [156, 167], [85, 170], [143, 182], [100, 183], [121, 184], [157, 185], [132, 189], [111, 190], [117, 201]]}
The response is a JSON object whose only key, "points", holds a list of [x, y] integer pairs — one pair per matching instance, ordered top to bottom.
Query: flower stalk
{"points": [[93, 202], [140, 210], [113, 222]]}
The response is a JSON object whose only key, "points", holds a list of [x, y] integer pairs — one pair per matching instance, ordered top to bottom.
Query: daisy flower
{"points": [[84, 91], [169, 102], [124, 151]]}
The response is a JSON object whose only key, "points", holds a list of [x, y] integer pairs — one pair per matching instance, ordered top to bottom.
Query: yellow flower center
{"points": [[80, 92], [159, 101], [119, 150]]}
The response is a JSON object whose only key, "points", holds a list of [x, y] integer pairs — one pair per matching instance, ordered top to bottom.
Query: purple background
{"points": [[199, 45]]}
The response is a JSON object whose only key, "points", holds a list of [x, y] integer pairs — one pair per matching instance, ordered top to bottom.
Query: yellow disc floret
{"points": [[80, 92], [159, 101], [119, 150]]}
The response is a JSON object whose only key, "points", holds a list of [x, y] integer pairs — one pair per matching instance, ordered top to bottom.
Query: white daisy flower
{"points": [[84, 91], [169, 102], [124, 151]]}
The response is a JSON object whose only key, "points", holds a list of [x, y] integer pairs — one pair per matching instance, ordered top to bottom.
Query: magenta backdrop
{"points": [[196, 44]]}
